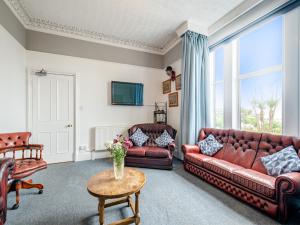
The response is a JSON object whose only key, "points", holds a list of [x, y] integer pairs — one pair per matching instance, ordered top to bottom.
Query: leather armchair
{"points": [[150, 155], [28, 160], [6, 169]]}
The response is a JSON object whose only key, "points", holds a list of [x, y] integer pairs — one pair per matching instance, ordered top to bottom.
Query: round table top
{"points": [[105, 185]]}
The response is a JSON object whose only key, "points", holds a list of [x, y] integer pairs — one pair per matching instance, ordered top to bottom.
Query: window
{"points": [[260, 76], [218, 86]]}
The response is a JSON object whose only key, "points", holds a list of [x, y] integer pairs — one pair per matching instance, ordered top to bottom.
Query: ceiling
{"points": [[146, 25]]}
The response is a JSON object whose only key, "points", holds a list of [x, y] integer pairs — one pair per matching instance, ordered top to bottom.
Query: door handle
{"points": [[69, 125]]}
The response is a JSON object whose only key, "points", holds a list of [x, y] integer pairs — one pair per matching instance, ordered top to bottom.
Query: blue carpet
{"points": [[168, 198]]}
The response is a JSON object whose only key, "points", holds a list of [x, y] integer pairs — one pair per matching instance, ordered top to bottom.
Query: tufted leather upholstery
{"points": [[153, 131], [14, 139], [241, 147], [150, 155], [28, 160], [237, 168]]}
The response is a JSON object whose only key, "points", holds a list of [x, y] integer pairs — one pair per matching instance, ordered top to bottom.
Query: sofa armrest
{"points": [[172, 146], [190, 149], [288, 183]]}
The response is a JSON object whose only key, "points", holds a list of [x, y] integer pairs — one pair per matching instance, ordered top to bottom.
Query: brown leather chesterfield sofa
{"points": [[150, 155], [237, 168], [6, 169]]}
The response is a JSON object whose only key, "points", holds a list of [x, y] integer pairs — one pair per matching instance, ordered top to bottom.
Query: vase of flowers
{"points": [[118, 148]]}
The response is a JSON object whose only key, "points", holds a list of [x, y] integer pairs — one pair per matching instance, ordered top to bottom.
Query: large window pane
{"points": [[262, 47], [219, 64], [261, 103], [219, 105]]}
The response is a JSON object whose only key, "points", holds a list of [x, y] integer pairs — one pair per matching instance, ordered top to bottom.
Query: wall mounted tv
{"points": [[125, 93]]}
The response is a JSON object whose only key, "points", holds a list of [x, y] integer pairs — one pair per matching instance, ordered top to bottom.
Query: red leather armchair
{"points": [[150, 155], [28, 160], [237, 168], [6, 169]]}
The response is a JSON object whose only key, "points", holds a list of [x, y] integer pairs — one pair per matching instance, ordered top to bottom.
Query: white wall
{"points": [[95, 77], [12, 84], [174, 112]]}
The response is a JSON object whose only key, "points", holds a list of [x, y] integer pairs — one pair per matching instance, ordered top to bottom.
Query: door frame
{"points": [[29, 104]]}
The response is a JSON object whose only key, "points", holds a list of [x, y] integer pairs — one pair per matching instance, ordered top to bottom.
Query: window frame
{"points": [[258, 73]]}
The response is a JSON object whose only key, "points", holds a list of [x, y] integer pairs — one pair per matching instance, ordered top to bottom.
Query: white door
{"points": [[53, 116]]}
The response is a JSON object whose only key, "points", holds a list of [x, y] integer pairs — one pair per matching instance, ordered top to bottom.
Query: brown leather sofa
{"points": [[150, 155], [237, 168], [6, 169]]}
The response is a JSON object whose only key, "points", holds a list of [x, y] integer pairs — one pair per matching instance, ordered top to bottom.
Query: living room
{"points": [[150, 112]]}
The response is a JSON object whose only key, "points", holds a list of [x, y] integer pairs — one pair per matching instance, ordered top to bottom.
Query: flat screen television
{"points": [[125, 93]]}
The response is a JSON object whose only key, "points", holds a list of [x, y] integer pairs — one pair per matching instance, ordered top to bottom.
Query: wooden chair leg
{"points": [[28, 185], [17, 188]]}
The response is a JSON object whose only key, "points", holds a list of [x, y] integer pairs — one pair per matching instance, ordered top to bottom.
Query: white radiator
{"points": [[105, 134]]}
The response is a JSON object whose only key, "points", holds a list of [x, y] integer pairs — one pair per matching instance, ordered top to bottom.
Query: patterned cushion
{"points": [[139, 138], [164, 139], [210, 146], [281, 162]]}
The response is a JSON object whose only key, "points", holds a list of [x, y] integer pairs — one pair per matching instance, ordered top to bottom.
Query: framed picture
{"points": [[178, 82], [167, 86], [173, 99]]}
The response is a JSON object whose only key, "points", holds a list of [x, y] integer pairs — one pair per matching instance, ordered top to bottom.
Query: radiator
{"points": [[105, 134]]}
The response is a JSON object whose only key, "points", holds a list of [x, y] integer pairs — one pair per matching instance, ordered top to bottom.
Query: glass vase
{"points": [[119, 169]]}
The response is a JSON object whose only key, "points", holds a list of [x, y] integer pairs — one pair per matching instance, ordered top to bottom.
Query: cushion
{"points": [[139, 138], [164, 139], [210, 146], [136, 151], [155, 152], [197, 158], [281, 162], [25, 167], [221, 167], [255, 181]]}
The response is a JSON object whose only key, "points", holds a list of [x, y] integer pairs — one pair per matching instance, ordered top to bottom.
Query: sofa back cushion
{"points": [[153, 131], [220, 135], [14, 139], [270, 144], [241, 147]]}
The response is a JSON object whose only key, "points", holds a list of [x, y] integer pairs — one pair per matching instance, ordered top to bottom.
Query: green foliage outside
{"points": [[260, 118]]}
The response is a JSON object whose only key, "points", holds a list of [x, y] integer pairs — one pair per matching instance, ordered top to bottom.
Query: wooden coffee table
{"points": [[104, 186]]}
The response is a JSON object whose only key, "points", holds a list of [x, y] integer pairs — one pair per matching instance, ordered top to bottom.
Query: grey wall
{"points": [[12, 24], [44, 42], [173, 55]]}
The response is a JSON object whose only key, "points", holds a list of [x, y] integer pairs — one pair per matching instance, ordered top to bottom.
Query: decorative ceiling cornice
{"points": [[19, 9]]}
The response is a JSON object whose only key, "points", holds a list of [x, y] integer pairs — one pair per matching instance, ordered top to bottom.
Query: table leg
{"points": [[101, 210], [137, 210]]}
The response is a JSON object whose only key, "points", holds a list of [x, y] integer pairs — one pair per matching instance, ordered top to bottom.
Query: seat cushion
{"points": [[136, 151], [156, 152], [197, 158], [26, 167], [221, 167], [255, 181]]}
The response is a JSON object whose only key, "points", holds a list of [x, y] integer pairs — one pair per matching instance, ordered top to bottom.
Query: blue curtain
{"points": [[194, 93]]}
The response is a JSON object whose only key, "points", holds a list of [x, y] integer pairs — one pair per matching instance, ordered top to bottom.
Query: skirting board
{"points": [[83, 156]]}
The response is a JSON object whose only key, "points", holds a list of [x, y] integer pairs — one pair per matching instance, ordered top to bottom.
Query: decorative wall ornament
{"points": [[171, 73], [178, 82], [166, 85], [173, 99]]}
